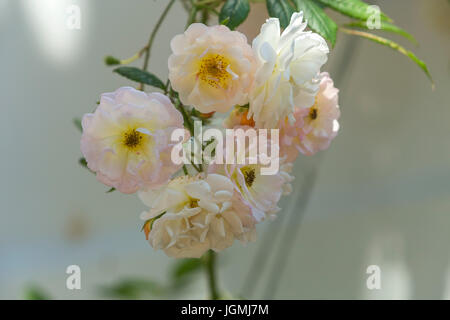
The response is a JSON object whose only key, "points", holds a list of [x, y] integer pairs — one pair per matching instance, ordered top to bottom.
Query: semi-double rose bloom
{"points": [[212, 68], [315, 126], [126, 141]]}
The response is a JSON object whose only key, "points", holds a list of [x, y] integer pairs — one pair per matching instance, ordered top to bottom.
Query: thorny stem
{"points": [[148, 47]]}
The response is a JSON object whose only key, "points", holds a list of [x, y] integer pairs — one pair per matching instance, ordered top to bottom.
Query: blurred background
{"points": [[380, 195]]}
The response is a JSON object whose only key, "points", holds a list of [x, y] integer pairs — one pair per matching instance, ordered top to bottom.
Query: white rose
{"points": [[287, 72]]}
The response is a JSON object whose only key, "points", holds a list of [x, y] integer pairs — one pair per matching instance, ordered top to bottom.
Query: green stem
{"points": [[192, 14], [205, 16], [148, 47], [195, 167], [210, 266]]}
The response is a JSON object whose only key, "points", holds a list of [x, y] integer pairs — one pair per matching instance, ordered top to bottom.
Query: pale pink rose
{"points": [[211, 68], [320, 120], [314, 127], [291, 135], [126, 141]]}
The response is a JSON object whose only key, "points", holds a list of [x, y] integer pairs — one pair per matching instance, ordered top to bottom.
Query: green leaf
{"points": [[320, 4], [353, 8], [280, 9], [236, 11], [317, 19], [385, 26], [392, 45], [140, 76], [77, 123], [111, 190], [186, 266], [184, 269], [133, 289], [35, 293]]}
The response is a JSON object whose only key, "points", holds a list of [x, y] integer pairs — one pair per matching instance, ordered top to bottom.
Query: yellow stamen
{"points": [[213, 70], [313, 113], [132, 139], [249, 175], [193, 203]]}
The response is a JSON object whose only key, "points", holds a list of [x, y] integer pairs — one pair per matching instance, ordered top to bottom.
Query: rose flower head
{"points": [[288, 65], [211, 68], [126, 141], [192, 214]]}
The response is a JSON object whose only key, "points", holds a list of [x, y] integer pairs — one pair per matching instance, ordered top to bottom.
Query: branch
{"points": [[148, 47]]}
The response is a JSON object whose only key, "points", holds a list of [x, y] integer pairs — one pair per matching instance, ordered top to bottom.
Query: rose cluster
{"points": [[276, 83]]}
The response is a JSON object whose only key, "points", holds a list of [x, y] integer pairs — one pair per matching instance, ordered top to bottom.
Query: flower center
{"points": [[213, 70], [313, 113], [132, 139], [249, 175], [193, 203]]}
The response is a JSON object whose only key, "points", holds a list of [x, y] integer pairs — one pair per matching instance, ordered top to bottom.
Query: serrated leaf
{"points": [[353, 8], [280, 9], [236, 11], [317, 19], [384, 26], [392, 45], [138, 75], [77, 123]]}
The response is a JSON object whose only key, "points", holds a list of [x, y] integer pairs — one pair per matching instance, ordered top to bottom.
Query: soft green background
{"points": [[382, 195]]}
